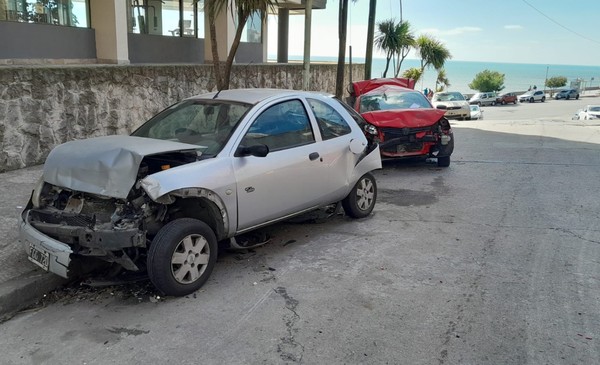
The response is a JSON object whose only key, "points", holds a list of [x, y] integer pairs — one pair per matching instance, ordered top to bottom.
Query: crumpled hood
{"points": [[411, 118], [105, 166]]}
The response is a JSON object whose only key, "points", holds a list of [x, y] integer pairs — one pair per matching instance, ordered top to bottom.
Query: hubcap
{"points": [[364, 194], [190, 259]]}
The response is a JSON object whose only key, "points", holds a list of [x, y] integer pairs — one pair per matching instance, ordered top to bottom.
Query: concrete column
{"points": [[109, 20], [283, 29], [225, 34]]}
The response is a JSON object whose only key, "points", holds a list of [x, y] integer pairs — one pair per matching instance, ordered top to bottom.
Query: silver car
{"points": [[203, 171]]}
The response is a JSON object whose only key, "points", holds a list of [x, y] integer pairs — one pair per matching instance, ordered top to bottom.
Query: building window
{"points": [[72, 13], [175, 18], [253, 30]]}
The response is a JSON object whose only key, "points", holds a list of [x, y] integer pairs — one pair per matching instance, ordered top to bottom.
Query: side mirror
{"points": [[259, 150]]}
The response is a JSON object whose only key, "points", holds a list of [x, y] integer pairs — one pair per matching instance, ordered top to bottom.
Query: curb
{"points": [[21, 292]]}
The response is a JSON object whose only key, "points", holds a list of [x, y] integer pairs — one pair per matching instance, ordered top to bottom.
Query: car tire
{"points": [[568, 97], [577, 97], [543, 99], [531, 100], [503, 102], [515, 102], [493, 103], [443, 161], [360, 201], [182, 256]]}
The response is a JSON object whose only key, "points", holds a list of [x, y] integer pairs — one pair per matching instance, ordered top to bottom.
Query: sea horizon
{"points": [[517, 76]]}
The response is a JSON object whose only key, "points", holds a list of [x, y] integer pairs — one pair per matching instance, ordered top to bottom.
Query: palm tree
{"points": [[243, 9], [342, 30], [370, 39], [387, 41], [406, 41], [432, 52], [414, 73], [442, 81]]}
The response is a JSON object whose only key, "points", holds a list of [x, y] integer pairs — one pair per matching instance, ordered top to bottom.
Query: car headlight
{"points": [[371, 129]]}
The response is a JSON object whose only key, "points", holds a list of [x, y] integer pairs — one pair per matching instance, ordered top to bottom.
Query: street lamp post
{"points": [[546, 80]]}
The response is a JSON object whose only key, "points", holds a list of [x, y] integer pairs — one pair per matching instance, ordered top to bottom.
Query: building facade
{"points": [[121, 32]]}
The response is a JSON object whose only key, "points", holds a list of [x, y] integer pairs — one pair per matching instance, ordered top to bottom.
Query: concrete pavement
{"points": [[21, 282]]}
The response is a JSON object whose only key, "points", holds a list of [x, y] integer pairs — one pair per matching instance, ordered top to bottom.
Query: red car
{"points": [[402, 120]]}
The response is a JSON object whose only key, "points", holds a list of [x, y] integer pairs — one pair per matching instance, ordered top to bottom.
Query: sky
{"points": [[512, 31]]}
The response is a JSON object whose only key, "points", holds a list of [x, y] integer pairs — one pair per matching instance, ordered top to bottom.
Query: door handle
{"points": [[313, 156]]}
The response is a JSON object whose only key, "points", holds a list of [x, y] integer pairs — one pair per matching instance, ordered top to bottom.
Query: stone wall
{"points": [[41, 107]]}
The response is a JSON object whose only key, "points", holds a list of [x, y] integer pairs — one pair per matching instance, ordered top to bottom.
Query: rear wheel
{"points": [[543, 99], [443, 161], [361, 200], [182, 256]]}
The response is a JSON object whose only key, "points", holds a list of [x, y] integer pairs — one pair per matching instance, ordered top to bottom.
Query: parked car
{"points": [[567, 94], [532, 96], [506, 98], [483, 99], [453, 103], [476, 112], [589, 112], [403, 121], [202, 171]]}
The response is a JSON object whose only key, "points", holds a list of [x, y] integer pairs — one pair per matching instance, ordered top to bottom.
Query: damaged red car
{"points": [[402, 120]]}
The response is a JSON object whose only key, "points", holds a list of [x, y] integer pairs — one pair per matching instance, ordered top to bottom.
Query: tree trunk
{"points": [[342, 26], [370, 39], [215, 52]]}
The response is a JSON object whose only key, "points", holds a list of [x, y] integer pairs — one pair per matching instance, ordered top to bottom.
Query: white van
{"points": [[483, 99]]}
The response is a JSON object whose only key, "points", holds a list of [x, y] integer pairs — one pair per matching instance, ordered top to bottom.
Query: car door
{"points": [[290, 178]]}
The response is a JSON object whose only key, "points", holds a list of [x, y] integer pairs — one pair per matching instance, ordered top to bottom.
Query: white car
{"points": [[532, 96], [454, 103], [476, 112], [589, 112], [202, 171]]}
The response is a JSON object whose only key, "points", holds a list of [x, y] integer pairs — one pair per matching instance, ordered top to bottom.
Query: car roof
{"points": [[253, 96]]}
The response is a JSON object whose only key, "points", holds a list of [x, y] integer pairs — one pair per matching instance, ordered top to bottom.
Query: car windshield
{"points": [[450, 96], [393, 101], [594, 109], [206, 123]]}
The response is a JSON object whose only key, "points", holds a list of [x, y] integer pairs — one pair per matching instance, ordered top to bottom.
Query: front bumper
{"points": [[59, 254]]}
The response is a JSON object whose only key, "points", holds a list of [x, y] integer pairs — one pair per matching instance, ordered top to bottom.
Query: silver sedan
{"points": [[203, 171]]}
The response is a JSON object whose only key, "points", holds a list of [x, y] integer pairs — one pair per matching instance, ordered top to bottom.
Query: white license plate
{"points": [[40, 258]]}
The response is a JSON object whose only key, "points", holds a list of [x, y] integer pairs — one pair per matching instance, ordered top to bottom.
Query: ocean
{"points": [[517, 76]]}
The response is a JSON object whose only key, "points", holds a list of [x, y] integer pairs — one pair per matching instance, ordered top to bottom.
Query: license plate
{"points": [[38, 257]]}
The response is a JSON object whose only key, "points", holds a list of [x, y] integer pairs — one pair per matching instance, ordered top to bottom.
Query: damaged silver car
{"points": [[203, 171]]}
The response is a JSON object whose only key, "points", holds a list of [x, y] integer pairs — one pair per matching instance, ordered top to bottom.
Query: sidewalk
{"points": [[21, 282]]}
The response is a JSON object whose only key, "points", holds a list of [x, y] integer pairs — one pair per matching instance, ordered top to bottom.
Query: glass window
{"points": [[72, 13], [162, 17], [253, 30], [205, 123], [331, 123], [282, 126]]}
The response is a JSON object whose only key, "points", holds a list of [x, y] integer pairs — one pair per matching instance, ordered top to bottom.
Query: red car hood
{"points": [[411, 118]]}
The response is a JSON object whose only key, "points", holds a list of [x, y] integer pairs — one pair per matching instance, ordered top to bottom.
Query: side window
{"points": [[331, 123], [281, 126]]}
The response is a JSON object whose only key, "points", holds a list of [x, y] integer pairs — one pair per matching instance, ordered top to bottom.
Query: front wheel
{"points": [[443, 161], [361, 200], [182, 256]]}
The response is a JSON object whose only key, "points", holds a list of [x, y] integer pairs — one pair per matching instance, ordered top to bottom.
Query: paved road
{"points": [[494, 260]]}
